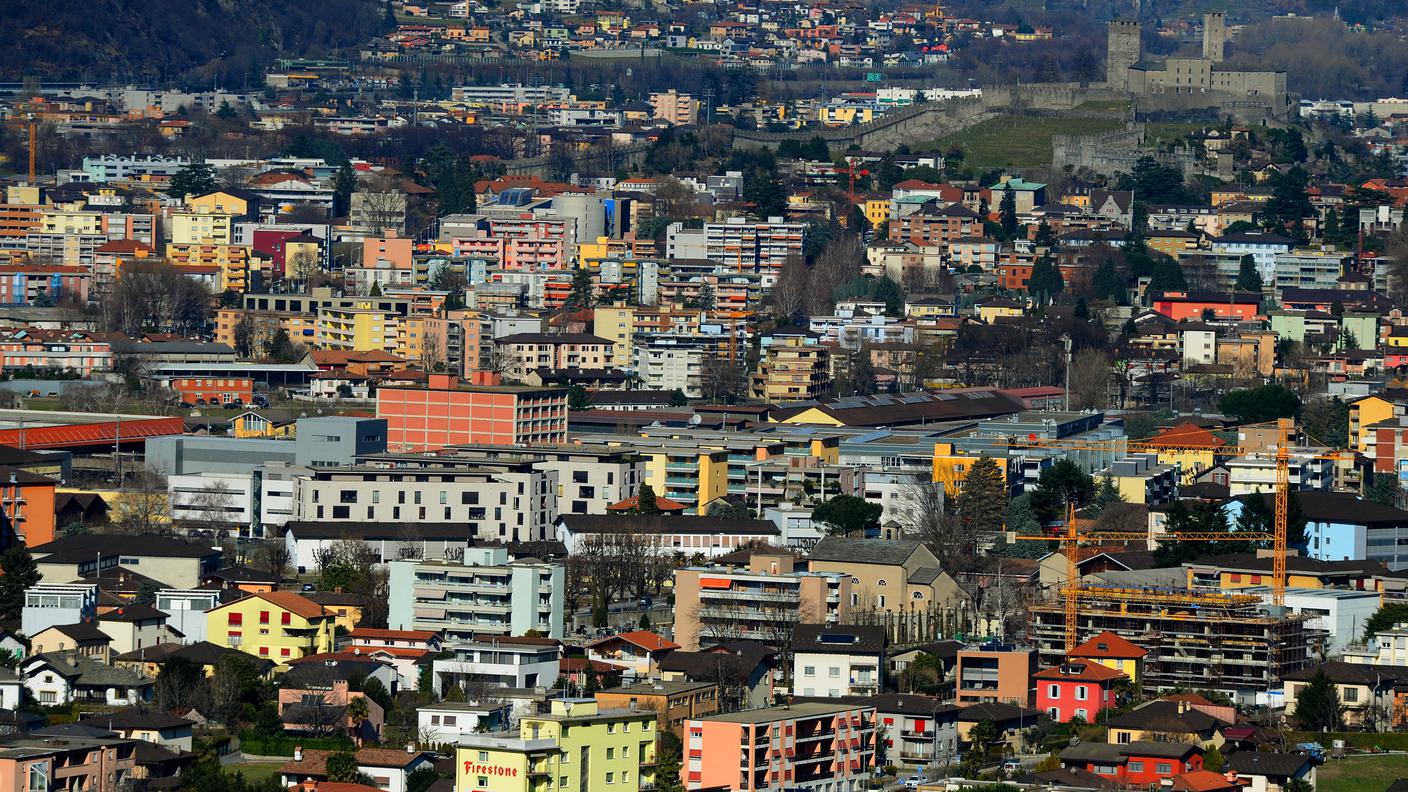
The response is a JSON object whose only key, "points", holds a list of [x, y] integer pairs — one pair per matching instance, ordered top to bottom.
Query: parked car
{"points": [[914, 781]]}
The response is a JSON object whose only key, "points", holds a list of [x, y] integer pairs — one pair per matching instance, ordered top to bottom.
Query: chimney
{"points": [[1182, 707], [410, 747], [298, 754], [309, 785]]}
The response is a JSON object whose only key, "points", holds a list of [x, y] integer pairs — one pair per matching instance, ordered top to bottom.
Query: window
{"points": [[263, 617], [236, 618], [285, 618], [284, 652], [808, 670], [834, 672], [1053, 691], [1082, 693], [1351, 694], [1053, 713], [1082, 714], [610, 753], [483, 756], [1136, 767], [1163, 768], [610, 778], [483, 781]]}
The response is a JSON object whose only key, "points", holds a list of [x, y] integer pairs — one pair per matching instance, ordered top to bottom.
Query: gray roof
{"points": [[665, 524], [863, 551], [838, 639], [81, 671], [1267, 763]]}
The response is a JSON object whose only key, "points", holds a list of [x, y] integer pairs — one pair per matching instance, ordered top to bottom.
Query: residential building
{"points": [[674, 108], [524, 353], [794, 367], [446, 413], [684, 534], [174, 562], [893, 576], [487, 594], [761, 601], [51, 604], [185, 610], [278, 625], [636, 653], [1114, 653], [832, 660], [516, 662], [1000, 673], [57, 678], [1076, 689], [1366, 692], [673, 702], [447, 722], [917, 730], [577, 744], [810, 746], [34, 762], [1135, 764], [389, 768], [1271, 771]]}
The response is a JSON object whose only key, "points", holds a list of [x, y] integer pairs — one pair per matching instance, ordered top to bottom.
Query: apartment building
{"points": [[674, 108], [113, 225], [199, 226], [745, 246], [232, 261], [1311, 269], [60, 350], [524, 353], [794, 367], [669, 368], [445, 412], [589, 479], [1141, 479], [504, 501], [687, 535], [486, 594], [763, 600], [52, 604], [185, 610], [278, 626], [832, 660], [502, 661], [995, 672], [577, 744], [812, 746], [36, 764]]}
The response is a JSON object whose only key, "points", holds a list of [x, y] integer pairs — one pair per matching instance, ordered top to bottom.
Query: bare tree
{"points": [[379, 206], [302, 265], [789, 293], [432, 353], [720, 378], [1090, 380], [144, 506], [210, 509], [273, 557]]}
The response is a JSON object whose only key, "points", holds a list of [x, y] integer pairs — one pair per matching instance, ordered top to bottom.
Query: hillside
{"points": [[201, 40]]}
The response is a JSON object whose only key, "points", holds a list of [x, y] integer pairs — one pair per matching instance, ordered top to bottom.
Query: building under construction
{"points": [[1195, 640]]}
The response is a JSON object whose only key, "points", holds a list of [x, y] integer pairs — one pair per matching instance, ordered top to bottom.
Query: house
{"points": [[174, 562], [894, 576], [277, 625], [134, 627], [83, 638], [408, 651], [637, 652], [1114, 653], [837, 660], [148, 661], [743, 671], [995, 672], [63, 677], [1076, 689], [1365, 691], [11, 695], [315, 697], [674, 702], [1164, 717], [1011, 721], [446, 722], [152, 726], [917, 729], [1135, 764], [388, 768], [1268, 771]]}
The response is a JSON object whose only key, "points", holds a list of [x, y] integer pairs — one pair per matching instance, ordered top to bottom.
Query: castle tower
{"points": [[1214, 36], [1122, 51]]}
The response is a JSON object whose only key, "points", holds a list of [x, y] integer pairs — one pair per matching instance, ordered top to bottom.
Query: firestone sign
{"points": [[474, 768]]}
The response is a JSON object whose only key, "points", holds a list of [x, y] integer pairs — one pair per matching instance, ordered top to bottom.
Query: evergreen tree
{"points": [[389, 17], [192, 179], [344, 183], [1007, 214], [1045, 237], [1248, 277], [1046, 281], [1107, 283], [582, 296], [862, 375], [1061, 484], [982, 500], [646, 501], [18, 571], [1318, 706]]}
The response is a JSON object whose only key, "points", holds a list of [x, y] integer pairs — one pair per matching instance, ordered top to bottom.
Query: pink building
{"points": [[396, 250], [43, 284], [62, 350], [445, 412], [1076, 689], [804, 745]]}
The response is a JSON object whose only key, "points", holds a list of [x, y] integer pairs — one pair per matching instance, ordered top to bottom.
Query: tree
{"points": [[388, 18], [192, 179], [344, 183], [1155, 183], [766, 193], [1289, 203], [1007, 214], [1248, 276], [1045, 281], [1107, 284], [582, 297], [281, 349], [861, 377], [1090, 379], [578, 398], [678, 399], [1259, 405], [1326, 419], [1062, 484], [1384, 489], [983, 499], [646, 500], [144, 507], [725, 509], [845, 515], [272, 556], [18, 571], [1386, 617], [180, 686], [1318, 706], [357, 714], [1213, 760], [667, 763], [342, 767]]}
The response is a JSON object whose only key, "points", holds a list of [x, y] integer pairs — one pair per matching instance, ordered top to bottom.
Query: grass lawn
{"points": [[1105, 106], [1170, 132], [1019, 141], [254, 773], [1361, 773]]}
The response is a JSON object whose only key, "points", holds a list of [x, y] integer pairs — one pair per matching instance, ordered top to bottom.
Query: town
{"points": [[595, 396]]}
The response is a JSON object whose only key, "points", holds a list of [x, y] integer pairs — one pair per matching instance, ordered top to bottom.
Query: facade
{"points": [[524, 353], [794, 368], [445, 413], [487, 594], [762, 601], [50, 605], [279, 626], [832, 660], [517, 662], [999, 673], [1076, 689], [673, 702], [577, 745], [809, 746]]}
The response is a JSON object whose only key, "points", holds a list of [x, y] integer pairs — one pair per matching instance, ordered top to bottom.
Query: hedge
{"points": [[1392, 741], [283, 745]]}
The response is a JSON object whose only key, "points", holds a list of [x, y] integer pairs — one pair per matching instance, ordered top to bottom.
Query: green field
{"points": [[1105, 106], [1170, 132], [1013, 141], [256, 773], [1361, 773]]}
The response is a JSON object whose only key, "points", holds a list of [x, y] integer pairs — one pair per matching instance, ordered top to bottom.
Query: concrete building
{"points": [[674, 108], [524, 353], [794, 367], [446, 413], [321, 441], [684, 534], [485, 595], [762, 601], [49, 605], [185, 610], [832, 660], [514, 662], [995, 672], [673, 702], [447, 722], [812, 746]]}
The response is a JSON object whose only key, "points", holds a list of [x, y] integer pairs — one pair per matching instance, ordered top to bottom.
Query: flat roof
{"points": [[767, 714]]}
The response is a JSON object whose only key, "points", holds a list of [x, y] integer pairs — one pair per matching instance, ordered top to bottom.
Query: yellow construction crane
{"points": [[1072, 538]]}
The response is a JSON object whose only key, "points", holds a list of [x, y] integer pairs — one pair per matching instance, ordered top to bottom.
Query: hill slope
{"points": [[199, 39]]}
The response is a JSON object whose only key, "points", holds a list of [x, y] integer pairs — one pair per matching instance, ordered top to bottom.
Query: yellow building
{"points": [[845, 115], [220, 202], [876, 210], [61, 221], [201, 227], [1172, 243], [302, 254], [233, 261], [991, 310], [360, 328], [794, 367], [1366, 411], [264, 423], [1188, 447], [951, 467], [694, 477], [279, 626], [1114, 652], [575, 747]]}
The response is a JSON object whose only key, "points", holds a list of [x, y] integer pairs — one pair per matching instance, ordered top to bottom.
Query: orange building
{"points": [[214, 390], [447, 412], [28, 501], [809, 745]]}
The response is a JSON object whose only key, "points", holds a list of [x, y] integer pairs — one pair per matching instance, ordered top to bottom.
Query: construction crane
{"points": [[1073, 538]]}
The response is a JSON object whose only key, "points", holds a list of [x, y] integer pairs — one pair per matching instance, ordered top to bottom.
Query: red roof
{"points": [[87, 434], [1187, 435], [632, 503], [293, 603], [645, 639], [1107, 645], [1089, 672], [1203, 781]]}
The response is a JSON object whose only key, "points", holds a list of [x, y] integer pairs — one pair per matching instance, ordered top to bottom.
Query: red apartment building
{"points": [[1182, 305], [214, 390], [447, 412], [1076, 689], [1137, 764]]}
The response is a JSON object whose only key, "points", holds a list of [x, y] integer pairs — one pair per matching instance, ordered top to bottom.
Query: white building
{"points": [[669, 368], [1257, 474], [218, 498], [686, 534], [486, 594], [48, 605], [185, 610], [1340, 613], [1386, 647], [837, 660], [499, 662], [448, 721]]}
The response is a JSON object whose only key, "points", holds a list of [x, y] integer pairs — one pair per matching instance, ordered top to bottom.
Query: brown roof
{"points": [[1186, 435], [294, 603], [645, 639], [1107, 644], [1089, 671]]}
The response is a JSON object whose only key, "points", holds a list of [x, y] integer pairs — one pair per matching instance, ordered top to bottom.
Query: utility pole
{"points": [[31, 149], [1066, 342]]}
